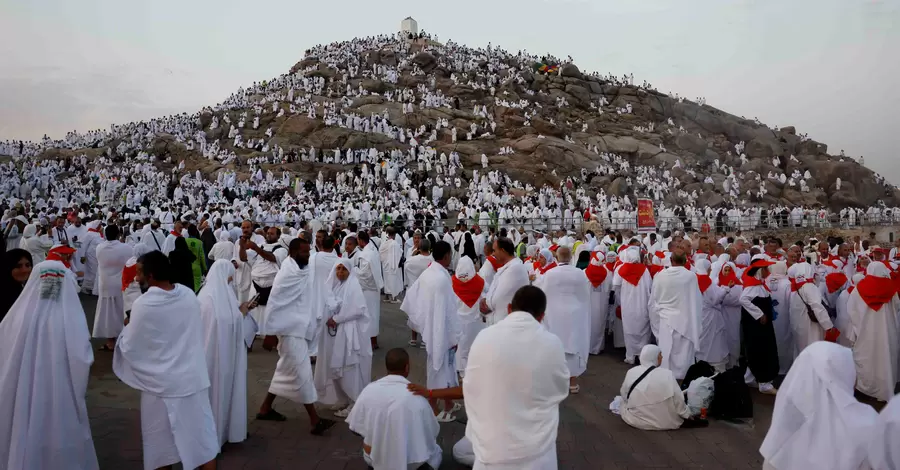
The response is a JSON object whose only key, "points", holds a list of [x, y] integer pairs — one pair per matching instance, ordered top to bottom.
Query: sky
{"points": [[822, 66]]}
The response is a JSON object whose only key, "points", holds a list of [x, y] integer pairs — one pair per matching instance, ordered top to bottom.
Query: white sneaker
{"points": [[767, 388], [343, 413]]}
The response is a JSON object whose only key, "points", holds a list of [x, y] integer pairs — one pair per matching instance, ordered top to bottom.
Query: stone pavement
{"points": [[590, 437]]}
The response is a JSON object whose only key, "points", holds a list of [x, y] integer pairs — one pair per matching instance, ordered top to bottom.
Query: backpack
{"points": [[697, 370], [732, 399]]}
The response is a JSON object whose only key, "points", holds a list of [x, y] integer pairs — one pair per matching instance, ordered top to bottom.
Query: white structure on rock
{"points": [[409, 26]]}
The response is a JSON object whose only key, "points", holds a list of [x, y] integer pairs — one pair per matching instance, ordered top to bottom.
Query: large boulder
{"points": [[570, 70], [617, 187]]}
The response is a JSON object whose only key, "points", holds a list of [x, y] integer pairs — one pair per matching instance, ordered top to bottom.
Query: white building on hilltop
{"points": [[409, 26]]}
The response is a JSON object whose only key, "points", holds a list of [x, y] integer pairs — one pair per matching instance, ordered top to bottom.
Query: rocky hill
{"points": [[569, 120]]}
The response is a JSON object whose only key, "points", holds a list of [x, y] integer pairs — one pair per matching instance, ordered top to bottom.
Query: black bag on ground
{"points": [[732, 398]]}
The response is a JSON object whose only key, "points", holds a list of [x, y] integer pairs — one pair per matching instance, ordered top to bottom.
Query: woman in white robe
{"points": [[38, 246], [223, 249], [601, 282], [632, 283], [780, 288], [469, 289], [805, 296], [873, 308], [731, 310], [842, 321], [713, 341], [226, 354], [344, 363], [44, 376], [656, 403], [817, 423], [883, 453]]}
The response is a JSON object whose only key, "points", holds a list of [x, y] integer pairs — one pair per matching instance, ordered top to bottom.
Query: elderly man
{"points": [[510, 276], [568, 312]]}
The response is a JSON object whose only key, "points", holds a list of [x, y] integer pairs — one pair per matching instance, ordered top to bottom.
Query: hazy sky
{"points": [[828, 67]]}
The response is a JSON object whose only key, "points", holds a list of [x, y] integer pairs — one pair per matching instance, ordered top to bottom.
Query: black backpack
{"points": [[697, 370], [732, 398]]}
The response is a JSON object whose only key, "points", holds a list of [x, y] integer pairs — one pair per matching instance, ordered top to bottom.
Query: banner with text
{"points": [[645, 221]]}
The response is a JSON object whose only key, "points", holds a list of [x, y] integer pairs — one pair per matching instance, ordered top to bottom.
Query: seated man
{"points": [[651, 398], [399, 429]]}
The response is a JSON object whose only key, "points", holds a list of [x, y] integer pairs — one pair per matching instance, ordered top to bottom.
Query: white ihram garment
{"points": [[390, 253], [322, 263], [368, 264], [511, 277], [676, 299], [633, 300], [431, 304], [568, 313], [600, 313], [110, 315], [290, 318], [470, 319], [160, 352], [226, 354], [344, 363], [44, 376], [515, 380], [817, 423], [399, 427]]}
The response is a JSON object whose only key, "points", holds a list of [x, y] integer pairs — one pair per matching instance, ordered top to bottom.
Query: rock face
{"points": [[570, 113]]}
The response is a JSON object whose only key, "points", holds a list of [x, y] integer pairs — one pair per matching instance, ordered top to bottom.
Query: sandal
{"points": [[413, 343], [106, 348], [574, 389], [456, 407], [270, 415], [445, 417], [322, 426]]}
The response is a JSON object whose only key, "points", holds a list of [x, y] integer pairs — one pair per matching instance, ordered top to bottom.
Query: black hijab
{"points": [[9, 287]]}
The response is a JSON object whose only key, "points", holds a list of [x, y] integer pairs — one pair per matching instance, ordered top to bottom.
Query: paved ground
{"points": [[590, 437]]}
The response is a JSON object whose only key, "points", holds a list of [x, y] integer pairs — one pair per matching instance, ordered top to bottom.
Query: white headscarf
{"points": [[30, 231], [547, 255], [465, 269], [217, 290], [345, 300], [650, 355], [817, 423], [884, 452]]}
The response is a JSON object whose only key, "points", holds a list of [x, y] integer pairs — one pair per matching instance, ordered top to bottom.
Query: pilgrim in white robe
{"points": [[92, 239], [223, 249], [390, 253], [322, 263], [368, 265], [414, 266], [507, 281], [600, 283], [469, 289], [780, 289], [804, 295], [633, 296], [676, 299], [431, 304], [568, 313], [109, 318], [290, 318], [874, 334], [713, 346], [160, 353], [226, 353], [344, 363], [44, 376], [515, 380], [656, 403], [817, 422], [399, 429], [883, 451]]}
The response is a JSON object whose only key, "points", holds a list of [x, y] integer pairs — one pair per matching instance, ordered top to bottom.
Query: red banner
{"points": [[645, 220]]}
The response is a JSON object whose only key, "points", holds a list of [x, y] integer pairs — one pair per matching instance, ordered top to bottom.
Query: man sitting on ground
{"points": [[399, 429]]}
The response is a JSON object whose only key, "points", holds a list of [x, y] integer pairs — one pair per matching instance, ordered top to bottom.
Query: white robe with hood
{"points": [[634, 302], [226, 353], [44, 376], [656, 402]]}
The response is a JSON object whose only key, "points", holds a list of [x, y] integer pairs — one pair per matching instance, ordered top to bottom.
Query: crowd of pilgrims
{"points": [[127, 173], [190, 270], [180, 305]]}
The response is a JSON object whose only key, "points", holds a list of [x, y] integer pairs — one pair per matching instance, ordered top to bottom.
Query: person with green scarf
{"points": [[196, 246]]}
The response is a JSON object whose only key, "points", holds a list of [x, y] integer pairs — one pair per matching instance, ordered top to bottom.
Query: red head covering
{"points": [[595, 271], [632, 272], [724, 279], [704, 281], [835, 281], [876, 291], [468, 292]]}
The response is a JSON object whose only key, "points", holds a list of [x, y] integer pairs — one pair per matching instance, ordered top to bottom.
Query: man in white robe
{"points": [[174, 234], [390, 253], [265, 260], [322, 263], [368, 265], [413, 268], [510, 276], [676, 300], [430, 303], [568, 312], [109, 319], [290, 326], [874, 336], [226, 352], [160, 353], [344, 365], [44, 375], [515, 380], [386, 410]]}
